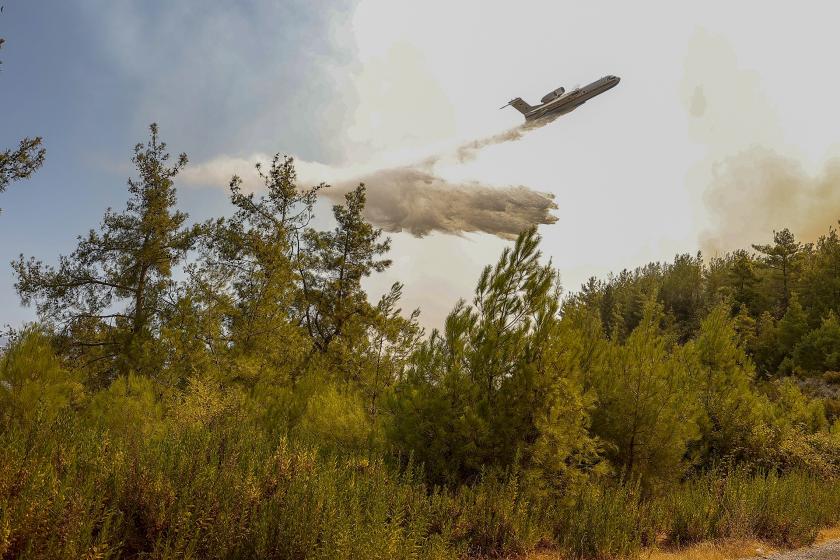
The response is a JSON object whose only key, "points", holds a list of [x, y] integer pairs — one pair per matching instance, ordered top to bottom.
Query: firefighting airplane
{"points": [[558, 102]]}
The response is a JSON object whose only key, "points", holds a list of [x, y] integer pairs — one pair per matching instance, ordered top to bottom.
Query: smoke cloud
{"points": [[468, 151], [750, 182], [759, 191], [413, 197]]}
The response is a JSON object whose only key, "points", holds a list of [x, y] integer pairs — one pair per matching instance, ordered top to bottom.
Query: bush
{"points": [[34, 387], [224, 489], [70, 492], [786, 510], [498, 516], [606, 522]]}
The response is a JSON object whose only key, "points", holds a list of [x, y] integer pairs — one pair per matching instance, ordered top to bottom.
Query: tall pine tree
{"points": [[109, 296]]}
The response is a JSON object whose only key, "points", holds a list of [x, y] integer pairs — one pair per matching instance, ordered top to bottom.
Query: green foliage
{"points": [[21, 162], [783, 258], [332, 267], [743, 279], [819, 282], [244, 285], [780, 293], [682, 294], [107, 297], [791, 328], [390, 341], [767, 349], [818, 351], [34, 386], [496, 388], [260, 406], [130, 408], [730, 408], [794, 409], [646, 410], [336, 420], [226, 492], [785, 511], [498, 516], [605, 522]]}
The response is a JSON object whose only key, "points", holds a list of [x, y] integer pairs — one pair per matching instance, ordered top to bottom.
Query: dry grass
{"points": [[828, 534], [728, 549], [720, 550], [723, 550], [545, 555]]}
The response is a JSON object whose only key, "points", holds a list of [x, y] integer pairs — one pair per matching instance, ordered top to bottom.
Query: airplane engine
{"points": [[552, 95]]}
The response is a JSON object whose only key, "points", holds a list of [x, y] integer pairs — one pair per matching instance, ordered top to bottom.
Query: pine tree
{"points": [[782, 258], [332, 265], [247, 274], [743, 279], [819, 284], [682, 293], [109, 296], [745, 327], [792, 327], [391, 339], [819, 350], [767, 352], [724, 374], [502, 382], [646, 411]]}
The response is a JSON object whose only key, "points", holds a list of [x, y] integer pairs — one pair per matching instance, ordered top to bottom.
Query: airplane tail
{"points": [[521, 106]]}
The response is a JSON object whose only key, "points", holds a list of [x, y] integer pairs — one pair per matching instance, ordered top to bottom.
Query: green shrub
{"points": [[224, 489], [68, 492], [786, 510], [498, 517], [609, 521]]}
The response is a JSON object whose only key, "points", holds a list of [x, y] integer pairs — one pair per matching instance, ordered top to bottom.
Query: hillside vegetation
{"points": [[227, 390]]}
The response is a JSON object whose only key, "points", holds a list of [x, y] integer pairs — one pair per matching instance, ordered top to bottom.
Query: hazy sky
{"points": [[722, 128]]}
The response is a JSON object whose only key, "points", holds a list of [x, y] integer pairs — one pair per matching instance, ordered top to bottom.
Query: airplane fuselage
{"points": [[571, 100]]}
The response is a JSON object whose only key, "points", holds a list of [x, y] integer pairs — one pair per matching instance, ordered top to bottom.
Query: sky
{"points": [[723, 128]]}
